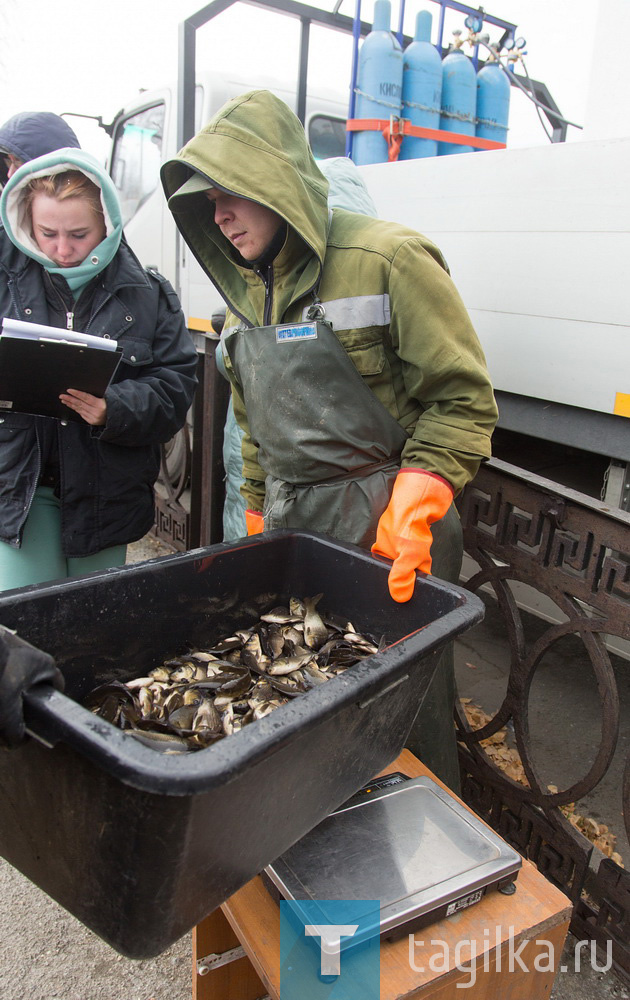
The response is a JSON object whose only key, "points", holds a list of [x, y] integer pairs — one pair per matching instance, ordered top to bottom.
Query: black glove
{"points": [[21, 667]]}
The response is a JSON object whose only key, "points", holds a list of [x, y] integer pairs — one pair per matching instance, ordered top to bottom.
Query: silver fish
{"points": [[296, 607], [281, 616], [315, 632], [294, 633], [275, 640], [252, 655], [199, 656], [287, 665], [185, 672], [161, 674], [314, 674], [139, 682], [145, 700], [190, 701], [222, 701], [263, 708], [207, 717], [182, 718], [227, 720], [166, 742]]}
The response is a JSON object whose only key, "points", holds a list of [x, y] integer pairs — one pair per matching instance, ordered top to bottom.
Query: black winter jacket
{"points": [[106, 473]]}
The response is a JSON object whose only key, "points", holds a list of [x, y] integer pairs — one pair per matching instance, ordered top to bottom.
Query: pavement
{"points": [[46, 954], [588, 981]]}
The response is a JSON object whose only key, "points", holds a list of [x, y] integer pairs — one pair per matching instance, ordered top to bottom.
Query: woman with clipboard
{"points": [[74, 493]]}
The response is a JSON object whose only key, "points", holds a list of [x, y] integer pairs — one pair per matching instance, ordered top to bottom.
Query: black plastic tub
{"points": [[140, 846]]}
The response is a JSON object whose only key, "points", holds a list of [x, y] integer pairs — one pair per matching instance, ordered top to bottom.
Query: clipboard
{"points": [[34, 372]]}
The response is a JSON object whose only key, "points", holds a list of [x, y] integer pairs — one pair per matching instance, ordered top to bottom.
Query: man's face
{"points": [[12, 163], [248, 226]]}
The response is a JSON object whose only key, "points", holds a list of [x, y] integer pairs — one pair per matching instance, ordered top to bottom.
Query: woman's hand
{"points": [[93, 409]]}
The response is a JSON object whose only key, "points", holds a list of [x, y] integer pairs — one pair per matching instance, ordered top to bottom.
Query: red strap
{"points": [[402, 127], [394, 139]]}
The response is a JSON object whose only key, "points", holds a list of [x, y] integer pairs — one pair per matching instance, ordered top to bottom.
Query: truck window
{"points": [[327, 136], [136, 158]]}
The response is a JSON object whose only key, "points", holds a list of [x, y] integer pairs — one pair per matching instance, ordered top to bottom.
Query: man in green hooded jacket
{"points": [[356, 375]]}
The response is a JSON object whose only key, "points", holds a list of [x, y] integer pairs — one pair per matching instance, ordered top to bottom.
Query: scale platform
{"points": [[405, 842]]}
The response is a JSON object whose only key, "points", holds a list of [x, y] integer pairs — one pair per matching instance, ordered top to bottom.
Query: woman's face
{"points": [[66, 231]]}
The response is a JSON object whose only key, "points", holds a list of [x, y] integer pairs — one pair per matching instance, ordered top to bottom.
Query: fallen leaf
{"points": [[508, 760]]}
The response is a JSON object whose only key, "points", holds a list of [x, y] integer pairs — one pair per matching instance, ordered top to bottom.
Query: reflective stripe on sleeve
{"points": [[356, 312]]}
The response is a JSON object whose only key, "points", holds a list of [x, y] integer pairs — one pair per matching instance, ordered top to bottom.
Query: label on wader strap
{"points": [[303, 331]]}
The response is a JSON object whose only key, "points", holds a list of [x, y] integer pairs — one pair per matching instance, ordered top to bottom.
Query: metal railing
{"points": [[575, 551]]}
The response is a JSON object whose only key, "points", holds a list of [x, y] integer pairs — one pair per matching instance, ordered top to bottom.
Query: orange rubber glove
{"points": [[254, 521], [403, 535]]}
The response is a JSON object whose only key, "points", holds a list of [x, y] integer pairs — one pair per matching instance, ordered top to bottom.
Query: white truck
{"points": [[534, 237], [535, 240]]}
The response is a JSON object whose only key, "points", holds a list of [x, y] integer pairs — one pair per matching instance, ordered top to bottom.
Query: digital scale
{"points": [[404, 842]]}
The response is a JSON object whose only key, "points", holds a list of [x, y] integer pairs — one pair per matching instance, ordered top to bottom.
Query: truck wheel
{"points": [[175, 463]]}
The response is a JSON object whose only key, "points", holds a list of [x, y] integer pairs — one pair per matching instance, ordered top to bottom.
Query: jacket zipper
{"points": [[266, 276], [69, 315], [69, 326], [20, 531], [18, 538]]}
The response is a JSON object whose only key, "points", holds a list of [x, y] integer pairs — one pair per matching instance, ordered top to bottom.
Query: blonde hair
{"points": [[70, 184]]}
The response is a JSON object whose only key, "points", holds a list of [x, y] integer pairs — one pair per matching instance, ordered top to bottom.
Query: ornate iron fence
{"points": [[520, 528]]}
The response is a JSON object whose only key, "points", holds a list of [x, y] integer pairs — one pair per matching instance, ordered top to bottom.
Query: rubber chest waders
{"points": [[329, 447], [331, 452]]}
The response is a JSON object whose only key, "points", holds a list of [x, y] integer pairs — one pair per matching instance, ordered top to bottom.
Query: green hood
{"points": [[256, 148], [18, 228]]}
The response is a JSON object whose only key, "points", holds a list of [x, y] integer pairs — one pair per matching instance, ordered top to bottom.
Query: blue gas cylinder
{"points": [[379, 85], [421, 89], [459, 100], [493, 103]]}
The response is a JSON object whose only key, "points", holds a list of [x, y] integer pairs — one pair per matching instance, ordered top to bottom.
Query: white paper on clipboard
{"points": [[36, 331]]}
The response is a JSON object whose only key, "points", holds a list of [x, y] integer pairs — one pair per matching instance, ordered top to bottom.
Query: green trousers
{"points": [[40, 557], [432, 734]]}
